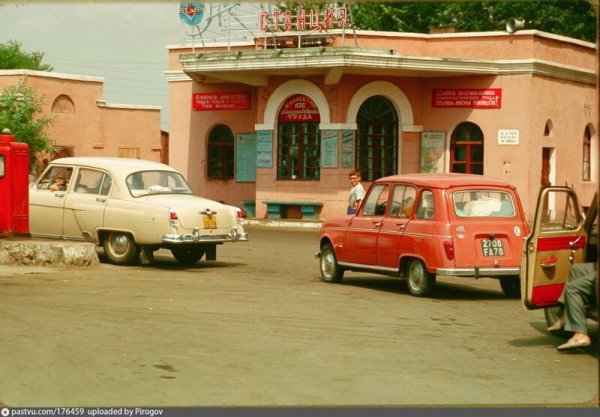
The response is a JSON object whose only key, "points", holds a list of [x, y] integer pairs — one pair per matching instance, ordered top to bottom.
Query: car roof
{"points": [[113, 163], [445, 180]]}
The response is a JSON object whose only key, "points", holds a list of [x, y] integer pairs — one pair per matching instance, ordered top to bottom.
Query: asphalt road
{"points": [[258, 328]]}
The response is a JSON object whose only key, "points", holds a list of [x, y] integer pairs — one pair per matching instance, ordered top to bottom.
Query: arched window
{"points": [[63, 104], [298, 140], [466, 149], [220, 153], [376, 153], [587, 154]]}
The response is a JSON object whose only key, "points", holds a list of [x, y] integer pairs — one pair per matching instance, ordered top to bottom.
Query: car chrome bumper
{"points": [[196, 237], [477, 272]]}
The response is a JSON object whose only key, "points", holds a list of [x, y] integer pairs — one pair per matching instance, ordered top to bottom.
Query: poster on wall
{"points": [[467, 98], [220, 101], [508, 136], [329, 148], [347, 148], [264, 149], [432, 151], [245, 157]]}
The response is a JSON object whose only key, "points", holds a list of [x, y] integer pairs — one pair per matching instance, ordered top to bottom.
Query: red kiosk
{"points": [[14, 185]]}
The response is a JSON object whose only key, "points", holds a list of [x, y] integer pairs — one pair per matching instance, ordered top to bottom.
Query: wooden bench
{"points": [[278, 209]]}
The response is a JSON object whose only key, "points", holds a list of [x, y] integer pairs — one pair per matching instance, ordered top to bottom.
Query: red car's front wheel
{"points": [[330, 269]]}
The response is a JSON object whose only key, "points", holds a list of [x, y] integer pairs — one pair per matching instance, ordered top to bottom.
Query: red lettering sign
{"points": [[316, 20], [472, 98], [220, 101], [299, 108]]}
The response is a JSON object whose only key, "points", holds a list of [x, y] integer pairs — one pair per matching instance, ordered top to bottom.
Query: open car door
{"points": [[557, 241]]}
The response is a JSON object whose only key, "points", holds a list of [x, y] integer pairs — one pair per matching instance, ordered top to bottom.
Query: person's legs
{"points": [[577, 272], [579, 291]]}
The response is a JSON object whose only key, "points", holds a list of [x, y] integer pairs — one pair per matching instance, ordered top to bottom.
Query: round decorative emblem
{"points": [[191, 13]]}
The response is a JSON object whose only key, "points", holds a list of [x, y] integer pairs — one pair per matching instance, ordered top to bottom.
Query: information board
{"points": [[329, 148], [347, 148], [264, 149], [432, 151], [245, 157]]}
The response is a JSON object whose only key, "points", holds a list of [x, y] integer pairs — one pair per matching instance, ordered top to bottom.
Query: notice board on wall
{"points": [[329, 148], [347, 148], [264, 149], [432, 151], [245, 157]]}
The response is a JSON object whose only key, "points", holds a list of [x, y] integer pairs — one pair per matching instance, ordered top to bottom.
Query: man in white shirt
{"points": [[357, 192]]}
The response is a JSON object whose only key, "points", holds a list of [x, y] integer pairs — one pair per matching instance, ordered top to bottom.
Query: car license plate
{"points": [[209, 222], [493, 247]]}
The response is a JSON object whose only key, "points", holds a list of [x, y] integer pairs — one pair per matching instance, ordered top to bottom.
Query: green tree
{"points": [[572, 18], [12, 57], [19, 106]]}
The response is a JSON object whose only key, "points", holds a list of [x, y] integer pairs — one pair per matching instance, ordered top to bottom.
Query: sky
{"points": [[123, 42]]}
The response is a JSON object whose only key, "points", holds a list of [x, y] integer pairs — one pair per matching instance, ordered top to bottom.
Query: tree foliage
{"points": [[572, 18], [12, 57], [20, 107]]}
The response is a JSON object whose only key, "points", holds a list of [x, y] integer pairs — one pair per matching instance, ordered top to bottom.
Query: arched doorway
{"points": [[298, 139], [376, 148], [466, 149]]}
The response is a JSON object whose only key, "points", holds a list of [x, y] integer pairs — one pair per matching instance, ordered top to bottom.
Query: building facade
{"points": [[286, 116], [85, 124]]}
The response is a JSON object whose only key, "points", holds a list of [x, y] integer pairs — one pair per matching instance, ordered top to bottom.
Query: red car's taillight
{"points": [[449, 249]]}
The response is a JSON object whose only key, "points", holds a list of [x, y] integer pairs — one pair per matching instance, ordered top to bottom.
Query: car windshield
{"points": [[156, 182], [483, 203]]}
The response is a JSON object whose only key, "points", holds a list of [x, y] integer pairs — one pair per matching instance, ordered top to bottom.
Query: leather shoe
{"points": [[575, 343]]}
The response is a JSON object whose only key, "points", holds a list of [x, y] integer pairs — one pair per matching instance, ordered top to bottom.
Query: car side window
{"points": [[56, 178], [92, 181], [153, 182], [403, 200], [376, 202], [426, 208], [560, 212]]}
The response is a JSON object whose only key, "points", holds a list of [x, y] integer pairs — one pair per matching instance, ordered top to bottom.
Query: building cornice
{"points": [[254, 67], [48, 74]]}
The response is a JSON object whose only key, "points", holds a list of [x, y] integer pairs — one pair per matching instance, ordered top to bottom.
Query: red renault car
{"points": [[421, 226]]}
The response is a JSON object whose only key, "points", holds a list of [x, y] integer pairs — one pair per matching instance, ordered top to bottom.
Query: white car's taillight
{"points": [[173, 218]]}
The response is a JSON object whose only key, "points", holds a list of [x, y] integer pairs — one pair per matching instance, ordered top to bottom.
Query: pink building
{"points": [[286, 116], [85, 125]]}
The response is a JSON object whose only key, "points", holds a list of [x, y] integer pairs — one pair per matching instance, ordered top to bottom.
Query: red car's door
{"points": [[400, 212], [361, 236], [557, 240]]}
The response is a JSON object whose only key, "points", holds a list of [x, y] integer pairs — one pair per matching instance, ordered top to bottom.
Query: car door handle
{"points": [[59, 195], [101, 199], [376, 225], [549, 263]]}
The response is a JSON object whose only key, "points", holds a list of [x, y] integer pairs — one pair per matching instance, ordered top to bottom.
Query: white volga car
{"points": [[128, 206]]}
